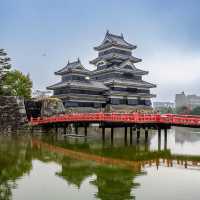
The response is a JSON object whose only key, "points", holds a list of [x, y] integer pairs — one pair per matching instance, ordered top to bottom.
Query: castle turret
{"points": [[115, 67], [76, 88]]}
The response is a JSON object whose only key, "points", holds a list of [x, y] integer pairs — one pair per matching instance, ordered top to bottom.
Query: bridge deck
{"points": [[124, 118]]}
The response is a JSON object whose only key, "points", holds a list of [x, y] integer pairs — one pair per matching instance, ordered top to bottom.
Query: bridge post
{"points": [[56, 128], [32, 129], [65, 129], [76, 129], [85, 131], [112, 131], [103, 134], [138, 134], [146, 134], [125, 135], [131, 135], [165, 138], [159, 139], [146, 146]]}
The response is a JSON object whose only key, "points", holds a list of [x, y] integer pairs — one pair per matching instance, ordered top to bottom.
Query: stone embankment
{"points": [[12, 113]]}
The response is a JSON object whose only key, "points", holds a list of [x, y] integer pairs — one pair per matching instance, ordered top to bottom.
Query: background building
{"points": [[190, 101], [163, 104], [163, 107]]}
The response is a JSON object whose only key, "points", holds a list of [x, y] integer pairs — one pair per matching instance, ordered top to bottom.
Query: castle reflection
{"points": [[114, 168]]}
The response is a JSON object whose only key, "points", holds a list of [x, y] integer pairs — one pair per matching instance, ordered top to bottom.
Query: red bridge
{"points": [[121, 118], [133, 122]]}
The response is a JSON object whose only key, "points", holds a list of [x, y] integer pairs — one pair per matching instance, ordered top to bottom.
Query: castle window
{"points": [[101, 64], [128, 67]]}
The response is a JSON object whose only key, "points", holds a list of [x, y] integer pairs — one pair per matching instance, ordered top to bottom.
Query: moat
{"points": [[54, 166]]}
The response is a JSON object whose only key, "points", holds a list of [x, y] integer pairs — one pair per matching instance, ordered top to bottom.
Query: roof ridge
{"points": [[114, 35], [74, 62]]}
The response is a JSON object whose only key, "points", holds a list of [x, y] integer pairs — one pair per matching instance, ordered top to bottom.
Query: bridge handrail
{"points": [[119, 117]]}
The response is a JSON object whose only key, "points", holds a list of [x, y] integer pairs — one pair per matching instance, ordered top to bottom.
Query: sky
{"points": [[41, 36]]}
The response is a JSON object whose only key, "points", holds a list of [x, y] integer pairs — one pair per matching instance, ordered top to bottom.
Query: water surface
{"points": [[57, 167]]}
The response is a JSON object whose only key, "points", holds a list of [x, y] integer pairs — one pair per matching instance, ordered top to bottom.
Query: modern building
{"points": [[115, 84], [181, 100], [190, 101]]}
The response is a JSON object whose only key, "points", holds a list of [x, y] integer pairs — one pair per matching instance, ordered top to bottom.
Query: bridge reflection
{"points": [[156, 158], [113, 176]]}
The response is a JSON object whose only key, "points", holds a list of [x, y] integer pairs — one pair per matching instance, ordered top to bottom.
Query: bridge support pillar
{"points": [[56, 128], [32, 129], [65, 129], [76, 129], [85, 131], [112, 131], [103, 134], [138, 134], [146, 134], [125, 135], [131, 135], [159, 139], [165, 139]]}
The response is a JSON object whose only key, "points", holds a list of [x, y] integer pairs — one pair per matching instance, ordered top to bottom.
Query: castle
{"points": [[115, 85]]}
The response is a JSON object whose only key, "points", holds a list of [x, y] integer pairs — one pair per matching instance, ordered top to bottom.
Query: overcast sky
{"points": [[42, 35]]}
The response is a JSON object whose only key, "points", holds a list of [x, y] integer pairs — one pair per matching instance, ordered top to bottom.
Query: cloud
{"points": [[173, 70]]}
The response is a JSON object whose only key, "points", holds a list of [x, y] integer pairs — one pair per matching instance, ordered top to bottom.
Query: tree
{"points": [[4, 68], [18, 84], [164, 110], [183, 110], [196, 111]]}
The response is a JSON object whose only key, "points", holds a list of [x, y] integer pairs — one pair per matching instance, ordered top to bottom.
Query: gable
{"points": [[127, 65]]}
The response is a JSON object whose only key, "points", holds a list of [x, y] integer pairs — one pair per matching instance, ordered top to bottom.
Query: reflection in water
{"points": [[182, 141], [15, 160], [30, 168], [112, 182]]}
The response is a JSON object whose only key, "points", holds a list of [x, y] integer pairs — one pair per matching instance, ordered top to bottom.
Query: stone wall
{"points": [[129, 109], [12, 112]]}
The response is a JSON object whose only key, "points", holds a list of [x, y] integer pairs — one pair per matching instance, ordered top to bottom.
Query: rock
{"points": [[52, 106], [44, 107]]}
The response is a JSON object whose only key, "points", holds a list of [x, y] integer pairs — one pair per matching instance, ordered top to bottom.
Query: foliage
{"points": [[4, 67], [18, 84], [164, 110], [183, 110], [186, 110], [195, 111], [15, 160]]}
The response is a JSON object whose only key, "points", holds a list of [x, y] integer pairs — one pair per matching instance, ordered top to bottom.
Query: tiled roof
{"points": [[116, 40], [116, 56], [76, 65], [119, 69], [135, 71], [136, 83], [81, 85], [131, 94], [82, 97]]}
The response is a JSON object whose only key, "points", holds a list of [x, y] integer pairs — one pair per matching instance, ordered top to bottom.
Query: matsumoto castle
{"points": [[115, 85]]}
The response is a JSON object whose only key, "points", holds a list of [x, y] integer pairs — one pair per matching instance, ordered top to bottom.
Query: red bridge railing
{"points": [[120, 117]]}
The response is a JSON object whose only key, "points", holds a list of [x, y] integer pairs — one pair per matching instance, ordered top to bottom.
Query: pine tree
{"points": [[4, 68]]}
